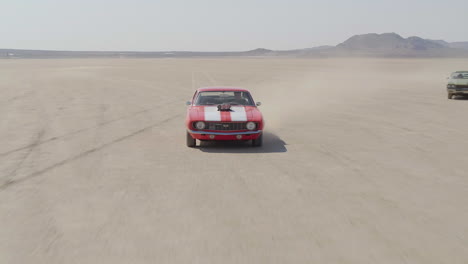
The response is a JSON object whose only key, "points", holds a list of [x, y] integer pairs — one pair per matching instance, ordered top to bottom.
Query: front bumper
{"points": [[458, 90], [209, 135]]}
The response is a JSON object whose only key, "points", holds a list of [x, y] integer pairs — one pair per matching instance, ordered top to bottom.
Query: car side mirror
{"points": [[188, 103], [258, 103]]}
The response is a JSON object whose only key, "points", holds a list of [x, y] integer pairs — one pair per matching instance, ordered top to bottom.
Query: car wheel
{"points": [[450, 96], [191, 142], [258, 142]]}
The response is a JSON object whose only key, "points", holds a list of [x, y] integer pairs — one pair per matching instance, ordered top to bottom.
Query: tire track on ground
{"points": [[209, 77], [196, 81], [17, 97], [42, 115], [35, 144], [83, 154], [25, 157]]}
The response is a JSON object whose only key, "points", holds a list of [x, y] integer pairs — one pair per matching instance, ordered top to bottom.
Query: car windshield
{"points": [[460, 75], [224, 97]]}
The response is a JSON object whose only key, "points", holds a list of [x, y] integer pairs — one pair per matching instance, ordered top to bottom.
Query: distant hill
{"points": [[440, 41], [366, 45], [393, 45], [455, 45], [459, 45], [258, 52]]}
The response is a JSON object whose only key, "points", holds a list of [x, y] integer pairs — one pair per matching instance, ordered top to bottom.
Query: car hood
{"points": [[237, 114]]}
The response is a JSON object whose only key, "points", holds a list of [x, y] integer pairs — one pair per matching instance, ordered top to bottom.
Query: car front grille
{"points": [[461, 86], [225, 126]]}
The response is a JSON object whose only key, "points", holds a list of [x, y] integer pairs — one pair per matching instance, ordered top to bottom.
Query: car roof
{"points": [[230, 89]]}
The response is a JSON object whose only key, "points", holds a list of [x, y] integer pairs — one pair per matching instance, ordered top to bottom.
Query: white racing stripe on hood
{"points": [[212, 113], [238, 113]]}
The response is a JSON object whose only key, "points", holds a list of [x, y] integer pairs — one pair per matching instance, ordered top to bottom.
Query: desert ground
{"points": [[364, 161]]}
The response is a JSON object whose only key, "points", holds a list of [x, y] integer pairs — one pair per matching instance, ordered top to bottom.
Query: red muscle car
{"points": [[223, 114]]}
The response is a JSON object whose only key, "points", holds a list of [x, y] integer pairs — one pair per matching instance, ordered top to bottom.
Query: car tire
{"points": [[450, 96], [191, 142], [258, 142]]}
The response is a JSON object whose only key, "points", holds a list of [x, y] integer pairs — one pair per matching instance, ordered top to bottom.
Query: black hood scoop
{"points": [[224, 107]]}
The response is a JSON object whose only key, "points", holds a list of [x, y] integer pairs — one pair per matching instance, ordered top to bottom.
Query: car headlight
{"points": [[451, 86], [200, 125], [250, 125]]}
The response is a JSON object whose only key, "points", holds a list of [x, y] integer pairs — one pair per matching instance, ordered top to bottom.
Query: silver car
{"points": [[457, 84]]}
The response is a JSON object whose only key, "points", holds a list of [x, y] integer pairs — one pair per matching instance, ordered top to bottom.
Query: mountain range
{"points": [[366, 45]]}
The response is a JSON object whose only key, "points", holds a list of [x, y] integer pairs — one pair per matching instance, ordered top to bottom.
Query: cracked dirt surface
{"points": [[364, 161]]}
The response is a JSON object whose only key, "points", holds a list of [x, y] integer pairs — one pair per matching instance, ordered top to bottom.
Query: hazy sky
{"points": [[220, 25]]}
